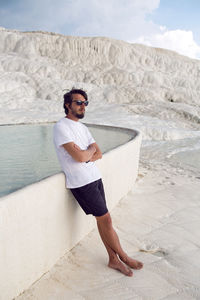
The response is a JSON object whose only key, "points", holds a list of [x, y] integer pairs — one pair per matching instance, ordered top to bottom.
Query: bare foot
{"points": [[132, 263], [118, 265]]}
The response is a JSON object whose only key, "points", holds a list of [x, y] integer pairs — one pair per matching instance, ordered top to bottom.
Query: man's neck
{"points": [[72, 117]]}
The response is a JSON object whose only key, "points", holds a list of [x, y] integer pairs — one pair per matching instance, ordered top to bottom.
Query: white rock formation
{"points": [[37, 67]]}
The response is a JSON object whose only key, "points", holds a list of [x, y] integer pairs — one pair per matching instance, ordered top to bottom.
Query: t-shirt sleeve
{"points": [[61, 135], [90, 137]]}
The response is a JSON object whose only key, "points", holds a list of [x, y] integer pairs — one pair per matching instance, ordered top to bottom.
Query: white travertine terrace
{"points": [[36, 68]]}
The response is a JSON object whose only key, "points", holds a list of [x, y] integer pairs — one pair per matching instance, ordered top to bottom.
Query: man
{"points": [[77, 152]]}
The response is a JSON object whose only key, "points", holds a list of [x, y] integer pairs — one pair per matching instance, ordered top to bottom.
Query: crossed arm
{"points": [[92, 153]]}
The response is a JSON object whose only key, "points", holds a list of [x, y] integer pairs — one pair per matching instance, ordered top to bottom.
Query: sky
{"points": [[170, 24]]}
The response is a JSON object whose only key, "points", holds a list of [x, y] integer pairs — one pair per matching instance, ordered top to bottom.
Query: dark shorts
{"points": [[91, 198]]}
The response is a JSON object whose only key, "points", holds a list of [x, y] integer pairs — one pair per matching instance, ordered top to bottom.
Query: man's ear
{"points": [[67, 105]]}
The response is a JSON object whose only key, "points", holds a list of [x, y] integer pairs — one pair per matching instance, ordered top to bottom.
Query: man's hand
{"points": [[77, 147], [92, 148], [97, 154]]}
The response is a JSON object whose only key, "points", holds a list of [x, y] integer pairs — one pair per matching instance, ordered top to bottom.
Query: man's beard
{"points": [[78, 115]]}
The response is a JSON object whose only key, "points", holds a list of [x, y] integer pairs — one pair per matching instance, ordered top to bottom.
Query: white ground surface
{"points": [[153, 90], [158, 224]]}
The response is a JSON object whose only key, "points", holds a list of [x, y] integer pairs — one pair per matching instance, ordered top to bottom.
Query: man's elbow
{"points": [[97, 156]]}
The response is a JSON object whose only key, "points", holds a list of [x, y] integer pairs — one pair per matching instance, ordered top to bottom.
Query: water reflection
{"points": [[27, 153]]}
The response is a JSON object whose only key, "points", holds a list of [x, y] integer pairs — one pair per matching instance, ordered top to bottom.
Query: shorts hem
{"points": [[100, 215]]}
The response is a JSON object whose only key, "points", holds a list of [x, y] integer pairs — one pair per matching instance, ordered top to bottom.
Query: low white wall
{"points": [[42, 221]]}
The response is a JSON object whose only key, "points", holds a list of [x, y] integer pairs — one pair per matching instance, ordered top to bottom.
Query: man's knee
{"points": [[105, 220]]}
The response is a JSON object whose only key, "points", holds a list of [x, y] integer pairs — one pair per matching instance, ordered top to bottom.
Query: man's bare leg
{"points": [[111, 239], [114, 261]]}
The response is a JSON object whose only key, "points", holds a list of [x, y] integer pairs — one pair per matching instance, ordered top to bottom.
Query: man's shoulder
{"points": [[61, 122], [65, 123], [59, 125]]}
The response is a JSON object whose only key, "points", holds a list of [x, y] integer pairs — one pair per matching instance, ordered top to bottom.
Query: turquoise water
{"points": [[27, 152], [184, 153]]}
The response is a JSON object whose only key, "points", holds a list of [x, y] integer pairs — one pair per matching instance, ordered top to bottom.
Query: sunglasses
{"points": [[79, 102]]}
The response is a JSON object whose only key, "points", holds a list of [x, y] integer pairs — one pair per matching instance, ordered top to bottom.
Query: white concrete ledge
{"points": [[41, 222]]}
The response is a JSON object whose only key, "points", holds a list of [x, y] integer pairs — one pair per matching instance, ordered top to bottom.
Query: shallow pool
{"points": [[27, 152]]}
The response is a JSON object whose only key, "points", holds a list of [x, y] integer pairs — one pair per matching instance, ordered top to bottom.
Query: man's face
{"points": [[77, 111]]}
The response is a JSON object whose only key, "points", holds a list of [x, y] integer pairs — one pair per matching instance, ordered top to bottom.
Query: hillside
{"points": [[36, 68]]}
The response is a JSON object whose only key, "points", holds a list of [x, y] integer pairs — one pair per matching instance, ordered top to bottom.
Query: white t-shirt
{"points": [[77, 173]]}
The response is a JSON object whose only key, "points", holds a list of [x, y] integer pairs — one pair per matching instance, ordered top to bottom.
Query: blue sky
{"points": [[182, 14], [171, 24]]}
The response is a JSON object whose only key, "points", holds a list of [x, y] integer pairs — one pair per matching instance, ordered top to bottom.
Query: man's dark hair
{"points": [[68, 97]]}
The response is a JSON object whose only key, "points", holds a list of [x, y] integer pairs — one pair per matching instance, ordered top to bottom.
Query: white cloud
{"points": [[122, 19], [178, 40]]}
